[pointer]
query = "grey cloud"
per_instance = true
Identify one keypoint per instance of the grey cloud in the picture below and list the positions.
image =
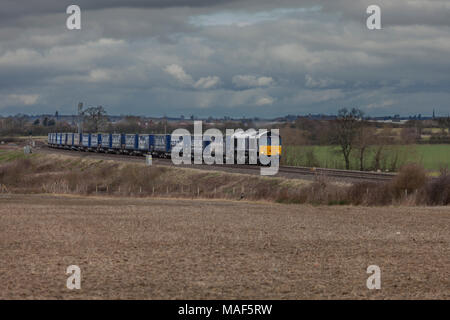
(12, 9)
(251, 81)
(185, 79)
(298, 62)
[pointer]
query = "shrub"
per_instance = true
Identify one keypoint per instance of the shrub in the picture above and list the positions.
(370, 193)
(358, 193)
(12, 173)
(381, 195)
(411, 177)
(438, 191)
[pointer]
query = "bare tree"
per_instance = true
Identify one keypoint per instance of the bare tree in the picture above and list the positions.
(409, 135)
(130, 124)
(381, 142)
(444, 123)
(364, 139)
(95, 118)
(347, 126)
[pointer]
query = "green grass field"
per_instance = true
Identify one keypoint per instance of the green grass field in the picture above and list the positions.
(432, 157)
(11, 155)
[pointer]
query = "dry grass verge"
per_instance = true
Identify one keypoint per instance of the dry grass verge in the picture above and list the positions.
(70, 175)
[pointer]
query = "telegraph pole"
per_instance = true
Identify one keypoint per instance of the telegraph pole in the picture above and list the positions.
(79, 117)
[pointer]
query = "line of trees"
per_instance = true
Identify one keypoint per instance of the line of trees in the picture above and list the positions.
(13, 126)
(355, 135)
(357, 140)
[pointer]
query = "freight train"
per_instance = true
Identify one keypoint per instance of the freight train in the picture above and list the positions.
(161, 145)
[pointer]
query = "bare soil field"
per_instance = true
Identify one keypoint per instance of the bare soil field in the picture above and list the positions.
(194, 249)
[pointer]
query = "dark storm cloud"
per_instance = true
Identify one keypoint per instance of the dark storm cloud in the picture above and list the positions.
(14, 8)
(242, 57)
(396, 11)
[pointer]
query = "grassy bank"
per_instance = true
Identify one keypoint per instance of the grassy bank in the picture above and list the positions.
(39, 173)
(57, 174)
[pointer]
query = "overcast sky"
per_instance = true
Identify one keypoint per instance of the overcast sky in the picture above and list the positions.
(225, 57)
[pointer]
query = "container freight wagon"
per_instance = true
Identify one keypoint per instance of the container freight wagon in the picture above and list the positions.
(58, 139)
(69, 143)
(199, 144)
(86, 140)
(105, 142)
(162, 145)
(188, 142)
(62, 142)
(96, 141)
(64, 138)
(76, 140)
(52, 139)
(146, 143)
(117, 141)
(131, 143)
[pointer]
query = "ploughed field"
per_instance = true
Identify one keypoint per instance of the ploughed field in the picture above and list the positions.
(193, 249)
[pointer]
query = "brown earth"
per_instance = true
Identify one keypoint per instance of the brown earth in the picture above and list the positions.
(195, 249)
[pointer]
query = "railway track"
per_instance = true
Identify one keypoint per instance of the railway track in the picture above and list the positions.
(290, 172)
(350, 174)
(363, 175)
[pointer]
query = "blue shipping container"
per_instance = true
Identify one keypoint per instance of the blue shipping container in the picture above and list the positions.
(96, 140)
(117, 140)
(86, 140)
(70, 139)
(146, 142)
(131, 141)
(106, 140)
(162, 143)
(77, 139)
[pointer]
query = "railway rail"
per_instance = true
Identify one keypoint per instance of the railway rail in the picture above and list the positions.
(284, 171)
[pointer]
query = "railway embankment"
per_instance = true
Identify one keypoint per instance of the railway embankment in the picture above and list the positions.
(65, 174)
